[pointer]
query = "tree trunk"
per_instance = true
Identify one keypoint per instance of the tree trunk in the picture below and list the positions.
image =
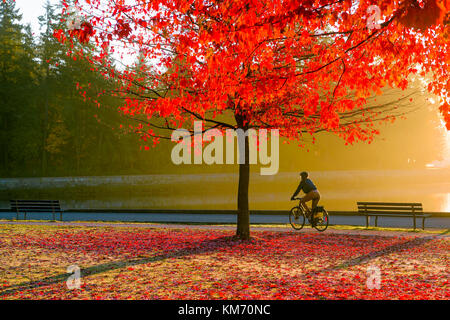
(44, 160)
(44, 139)
(243, 217)
(5, 143)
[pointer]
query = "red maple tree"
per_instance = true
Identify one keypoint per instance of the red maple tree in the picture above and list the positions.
(297, 66)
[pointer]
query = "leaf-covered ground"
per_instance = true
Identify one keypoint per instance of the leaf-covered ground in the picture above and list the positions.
(150, 263)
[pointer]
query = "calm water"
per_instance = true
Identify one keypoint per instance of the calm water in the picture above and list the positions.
(339, 189)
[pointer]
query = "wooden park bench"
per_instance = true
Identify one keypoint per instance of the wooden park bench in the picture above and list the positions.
(34, 206)
(391, 209)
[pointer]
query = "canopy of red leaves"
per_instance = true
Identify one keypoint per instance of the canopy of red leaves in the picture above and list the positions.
(297, 66)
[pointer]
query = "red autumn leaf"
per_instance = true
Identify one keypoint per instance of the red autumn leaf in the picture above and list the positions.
(59, 34)
(123, 29)
(431, 13)
(84, 33)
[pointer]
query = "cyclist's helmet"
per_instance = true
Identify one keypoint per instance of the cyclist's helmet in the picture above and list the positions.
(304, 174)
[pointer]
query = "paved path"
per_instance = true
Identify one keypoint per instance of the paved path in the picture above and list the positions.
(164, 218)
(219, 227)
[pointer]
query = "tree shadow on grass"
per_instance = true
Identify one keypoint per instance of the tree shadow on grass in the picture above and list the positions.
(357, 241)
(398, 247)
(198, 248)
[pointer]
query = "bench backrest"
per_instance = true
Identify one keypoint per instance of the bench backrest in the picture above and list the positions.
(389, 207)
(35, 205)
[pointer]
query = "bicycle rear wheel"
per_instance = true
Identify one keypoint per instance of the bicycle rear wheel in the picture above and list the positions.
(321, 223)
(297, 218)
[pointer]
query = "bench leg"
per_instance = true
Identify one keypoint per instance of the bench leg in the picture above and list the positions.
(423, 223)
(414, 223)
(367, 221)
(60, 216)
(25, 216)
(376, 221)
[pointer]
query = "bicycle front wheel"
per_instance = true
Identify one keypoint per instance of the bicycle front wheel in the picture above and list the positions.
(297, 218)
(321, 222)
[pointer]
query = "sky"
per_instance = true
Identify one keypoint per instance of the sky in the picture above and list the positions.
(31, 10)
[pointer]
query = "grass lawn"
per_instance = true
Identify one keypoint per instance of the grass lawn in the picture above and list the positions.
(152, 263)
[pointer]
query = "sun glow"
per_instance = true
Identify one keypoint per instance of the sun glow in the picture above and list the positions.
(445, 162)
(446, 203)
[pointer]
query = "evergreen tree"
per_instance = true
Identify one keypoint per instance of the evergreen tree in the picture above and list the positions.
(18, 79)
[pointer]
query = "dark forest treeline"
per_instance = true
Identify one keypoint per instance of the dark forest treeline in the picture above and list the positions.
(46, 127)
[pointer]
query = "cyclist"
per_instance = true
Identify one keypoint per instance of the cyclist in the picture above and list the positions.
(310, 191)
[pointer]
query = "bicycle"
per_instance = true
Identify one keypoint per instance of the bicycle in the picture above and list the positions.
(318, 219)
